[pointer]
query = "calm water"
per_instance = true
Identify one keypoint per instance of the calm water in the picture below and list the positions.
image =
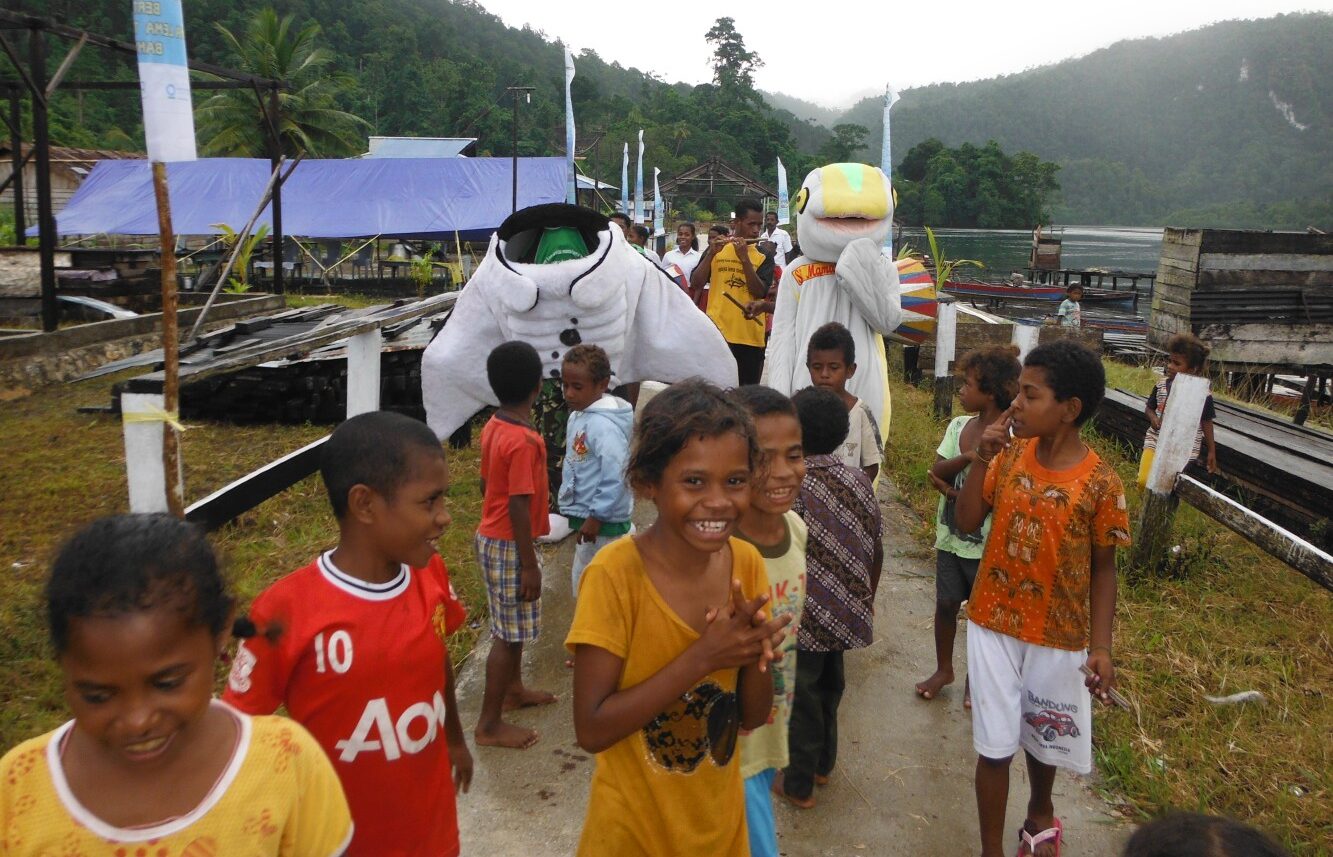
(1006, 250)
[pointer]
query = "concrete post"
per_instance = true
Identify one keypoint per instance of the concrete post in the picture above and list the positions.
(363, 373)
(1174, 443)
(946, 331)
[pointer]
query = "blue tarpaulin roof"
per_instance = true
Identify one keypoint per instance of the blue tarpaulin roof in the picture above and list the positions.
(408, 197)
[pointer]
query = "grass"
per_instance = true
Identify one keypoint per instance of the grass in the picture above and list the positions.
(1226, 618)
(62, 469)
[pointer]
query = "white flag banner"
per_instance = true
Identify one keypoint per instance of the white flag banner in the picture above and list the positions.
(784, 202)
(624, 182)
(572, 193)
(886, 151)
(164, 80)
(638, 183)
(659, 209)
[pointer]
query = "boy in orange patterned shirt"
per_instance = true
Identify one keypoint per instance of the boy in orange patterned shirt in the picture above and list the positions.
(1046, 583)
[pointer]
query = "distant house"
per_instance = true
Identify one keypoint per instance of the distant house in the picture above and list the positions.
(422, 147)
(69, 167)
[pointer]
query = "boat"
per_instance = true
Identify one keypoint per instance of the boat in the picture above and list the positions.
(1008, 291)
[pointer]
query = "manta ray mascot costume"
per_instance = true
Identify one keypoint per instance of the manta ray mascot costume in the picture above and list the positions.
(556, 276)
(843, 214)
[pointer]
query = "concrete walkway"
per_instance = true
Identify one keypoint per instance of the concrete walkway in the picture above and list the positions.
(903, 784)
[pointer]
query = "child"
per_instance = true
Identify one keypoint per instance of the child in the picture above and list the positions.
(990, 380)
(150, 763)
(779, 534)
(514, 507)
(1046, 582)
(831, 359)
(843, 561)
(1184, 353)
(593, 492)
(353, 644)
(1070, 314)
(671, 643)
(1192, 834)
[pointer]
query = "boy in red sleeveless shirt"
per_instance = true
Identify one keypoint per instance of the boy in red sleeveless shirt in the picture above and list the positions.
(354, 643)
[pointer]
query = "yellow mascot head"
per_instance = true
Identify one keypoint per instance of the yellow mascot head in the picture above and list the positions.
(840, 203)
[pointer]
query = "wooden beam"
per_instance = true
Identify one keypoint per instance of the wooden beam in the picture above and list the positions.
(231, 501)
(1274, 540)
(297, 344)
(54, 83)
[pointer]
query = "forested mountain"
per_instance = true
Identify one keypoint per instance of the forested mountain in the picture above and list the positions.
(1228, 125)
(440, 68)
(802, 109)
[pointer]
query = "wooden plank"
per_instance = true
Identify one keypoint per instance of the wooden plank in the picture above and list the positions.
(1182, 254)
(301, 343)
(1183, 237)
(1219, 279)
(1167, 266)
(1274, 540)
(1180, 293)
(231, 501)
(1264, 262)
(1245, 242)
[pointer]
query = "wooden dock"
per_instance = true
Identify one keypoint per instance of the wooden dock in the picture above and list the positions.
(1280, 470)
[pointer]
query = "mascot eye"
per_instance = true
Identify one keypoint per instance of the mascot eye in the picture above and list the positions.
(802, 198)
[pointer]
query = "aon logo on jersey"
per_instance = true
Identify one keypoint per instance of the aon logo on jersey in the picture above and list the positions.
(377, 731)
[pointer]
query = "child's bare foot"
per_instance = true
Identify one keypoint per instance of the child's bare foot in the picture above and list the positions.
(527, 698)
(798, 802)
(821, 779)
(569, 663)
(930, 688)
(506, 735)
(967, 694)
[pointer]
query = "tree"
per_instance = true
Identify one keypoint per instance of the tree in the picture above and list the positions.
(847, 140)
(733, 64)
(234, 123)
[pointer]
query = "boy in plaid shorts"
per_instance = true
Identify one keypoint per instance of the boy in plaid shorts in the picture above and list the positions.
(513, 513)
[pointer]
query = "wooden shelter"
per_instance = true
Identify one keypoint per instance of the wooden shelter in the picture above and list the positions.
(1262, 301)
(69, 167)
(715, 179)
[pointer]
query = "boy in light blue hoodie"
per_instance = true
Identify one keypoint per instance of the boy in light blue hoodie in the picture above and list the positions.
(593, 492)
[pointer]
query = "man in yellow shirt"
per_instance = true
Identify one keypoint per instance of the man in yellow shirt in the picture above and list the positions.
(736, 272)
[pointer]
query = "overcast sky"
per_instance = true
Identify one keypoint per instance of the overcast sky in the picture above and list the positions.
(836, 52)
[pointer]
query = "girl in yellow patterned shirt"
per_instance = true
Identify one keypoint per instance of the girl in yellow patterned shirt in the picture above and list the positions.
(151, 764)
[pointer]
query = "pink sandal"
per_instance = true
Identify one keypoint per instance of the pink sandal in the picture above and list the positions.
(1028, 842)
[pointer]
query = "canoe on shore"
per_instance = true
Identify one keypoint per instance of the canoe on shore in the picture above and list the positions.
(1008, 291)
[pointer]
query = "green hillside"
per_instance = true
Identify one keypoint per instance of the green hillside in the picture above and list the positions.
(1227, 125)
(440, 68)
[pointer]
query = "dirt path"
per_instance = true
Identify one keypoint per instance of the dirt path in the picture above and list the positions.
(904, 779)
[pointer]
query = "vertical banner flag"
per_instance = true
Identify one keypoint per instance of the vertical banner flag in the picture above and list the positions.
(659, 209)
(638, 183)
(784, 203)
(624, 182)
(164, 80)
(886, 152)
(572, 194)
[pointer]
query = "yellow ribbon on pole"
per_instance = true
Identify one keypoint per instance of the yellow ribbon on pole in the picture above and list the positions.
(155, 414)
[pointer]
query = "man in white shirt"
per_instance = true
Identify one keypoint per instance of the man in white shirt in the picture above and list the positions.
(779, 237)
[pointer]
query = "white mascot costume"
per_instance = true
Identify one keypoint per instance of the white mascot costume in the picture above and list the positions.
(613, 297)
(843, 214)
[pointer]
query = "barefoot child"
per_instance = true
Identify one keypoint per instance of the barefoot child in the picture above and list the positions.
(1184, 354)
(593, 492)
(353, 644)
(844, 556)
(1046, 583)
(831, 359)
(150, 763)
(671, 642)
(990, 379)
(779, 534)
(514, 506)
(1070, 313)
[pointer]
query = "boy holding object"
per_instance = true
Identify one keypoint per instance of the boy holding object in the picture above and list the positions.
(1186, 354)
(1047, 582)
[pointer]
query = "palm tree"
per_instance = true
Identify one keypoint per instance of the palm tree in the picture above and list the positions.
(233, 123)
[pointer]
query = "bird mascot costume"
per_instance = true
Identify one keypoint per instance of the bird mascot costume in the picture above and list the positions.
(843, 214)
(556, 276)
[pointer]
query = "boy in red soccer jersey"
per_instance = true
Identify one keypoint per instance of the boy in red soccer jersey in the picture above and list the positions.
(354, 643)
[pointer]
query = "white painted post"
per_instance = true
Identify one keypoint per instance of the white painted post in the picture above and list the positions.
(1025, 337)
(1180, 421)
(144, 470)
(363, 373)
(946, 332)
